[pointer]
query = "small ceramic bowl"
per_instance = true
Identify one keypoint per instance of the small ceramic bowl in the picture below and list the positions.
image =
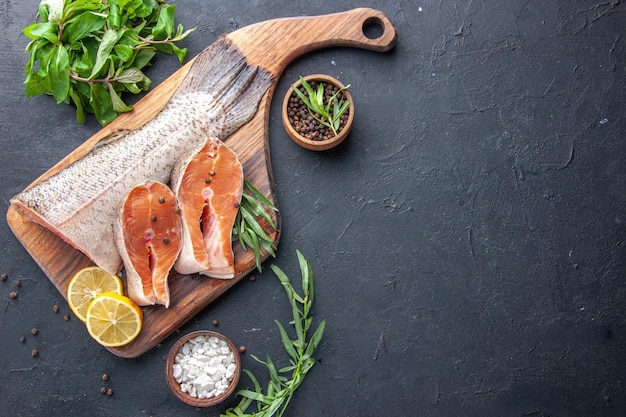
(318, 145)
(175, 386)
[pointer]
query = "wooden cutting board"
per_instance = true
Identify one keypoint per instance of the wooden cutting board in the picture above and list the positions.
(271, 44)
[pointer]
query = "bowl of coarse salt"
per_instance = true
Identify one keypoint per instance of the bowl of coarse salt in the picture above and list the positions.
(202, 368)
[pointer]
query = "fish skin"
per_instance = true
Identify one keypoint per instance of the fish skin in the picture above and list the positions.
(208, 184)
(220, 93)
(148, 215)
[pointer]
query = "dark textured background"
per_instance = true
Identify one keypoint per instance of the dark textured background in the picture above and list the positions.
(467, 241)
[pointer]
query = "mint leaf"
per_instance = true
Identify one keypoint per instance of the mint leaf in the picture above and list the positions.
(59, 70)
(104, 51)
(84, 25)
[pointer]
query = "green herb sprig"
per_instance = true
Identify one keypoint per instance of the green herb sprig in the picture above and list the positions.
(327, 113)
(247, 230)
(89, 52)
(284, 382)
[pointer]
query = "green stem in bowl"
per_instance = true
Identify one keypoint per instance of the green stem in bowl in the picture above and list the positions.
(327, 113)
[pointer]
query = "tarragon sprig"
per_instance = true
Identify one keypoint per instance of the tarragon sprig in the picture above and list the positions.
(284, 382)
(89, 52)
(247, 230)
(327, 113)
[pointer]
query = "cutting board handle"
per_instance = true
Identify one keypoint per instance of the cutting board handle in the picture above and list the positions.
(273, 44)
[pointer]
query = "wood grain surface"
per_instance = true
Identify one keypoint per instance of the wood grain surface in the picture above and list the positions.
(271, 44)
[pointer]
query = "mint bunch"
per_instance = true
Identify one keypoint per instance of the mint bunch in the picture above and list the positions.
(89, 52)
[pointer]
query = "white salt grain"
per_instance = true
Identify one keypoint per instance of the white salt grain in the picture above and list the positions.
(204, 367)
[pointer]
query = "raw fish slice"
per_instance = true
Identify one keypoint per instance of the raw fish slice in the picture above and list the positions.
(148, 237)
(208, 184)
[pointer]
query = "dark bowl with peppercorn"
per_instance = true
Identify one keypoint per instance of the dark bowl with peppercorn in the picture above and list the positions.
(203, 368)
(303, 127)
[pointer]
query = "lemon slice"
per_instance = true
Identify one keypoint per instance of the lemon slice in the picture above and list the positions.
(86, 284)
(113, 319)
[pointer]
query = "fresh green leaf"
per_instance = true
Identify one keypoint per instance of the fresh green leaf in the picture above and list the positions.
(35, 48)
(83, 25)
(259, 196)
(43, 11)
(129, 76)
(118, 105)
(59, 70)
(35, 85)
(319, 97)
(305, 272)
(286, 341)
(125, 52)
(271, 369)
(181, 33)
(164, 28)
(257, 386)
(181, 54)
(291, 293)
(102, 104)
(47, 30)
(297, 319)
(104, 51)
(143, 57)
(315, 339)
(114, 19)
(72, 8)
(253, 395)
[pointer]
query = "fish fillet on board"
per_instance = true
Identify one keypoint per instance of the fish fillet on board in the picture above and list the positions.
(148, 234)
(208, 184)
(220, 93)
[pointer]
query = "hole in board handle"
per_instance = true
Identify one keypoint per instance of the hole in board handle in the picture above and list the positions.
(373, 28)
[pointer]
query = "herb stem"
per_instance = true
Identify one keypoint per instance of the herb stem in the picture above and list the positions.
(61, 28)
(280, 390)
(77, 77)
(153, 42)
